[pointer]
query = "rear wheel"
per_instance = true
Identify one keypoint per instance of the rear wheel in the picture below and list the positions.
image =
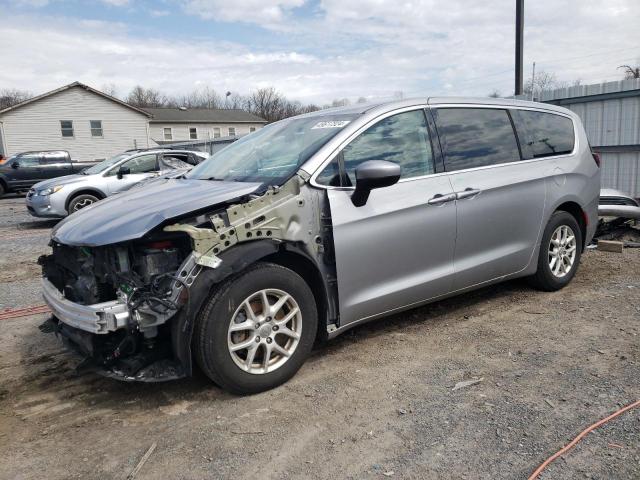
(2, 189)
(256, 330)
(82, 201)
(560, 252)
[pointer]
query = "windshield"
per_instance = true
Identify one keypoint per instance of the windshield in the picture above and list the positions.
(273, 153)
(102, 166)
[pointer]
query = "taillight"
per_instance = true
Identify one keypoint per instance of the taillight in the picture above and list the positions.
(596, 158)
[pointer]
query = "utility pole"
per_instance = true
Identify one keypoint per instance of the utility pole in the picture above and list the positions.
(519, 31)
(533, 79)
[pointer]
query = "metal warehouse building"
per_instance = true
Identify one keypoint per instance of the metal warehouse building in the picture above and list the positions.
(610, 113)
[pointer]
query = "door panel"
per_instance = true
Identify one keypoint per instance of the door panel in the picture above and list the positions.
(394, 251)
(499, 226)
(500, 198)
(25, 170)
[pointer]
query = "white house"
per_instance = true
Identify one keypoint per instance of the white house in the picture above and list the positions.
(184, 124)
(89, 124)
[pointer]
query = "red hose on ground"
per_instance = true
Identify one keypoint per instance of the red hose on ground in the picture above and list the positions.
(564, 450)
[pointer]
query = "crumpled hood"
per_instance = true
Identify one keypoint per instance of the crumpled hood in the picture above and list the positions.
(134, 213)
(52, 182)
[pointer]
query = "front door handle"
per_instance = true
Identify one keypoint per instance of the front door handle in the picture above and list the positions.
(439, 198)
(467, 193)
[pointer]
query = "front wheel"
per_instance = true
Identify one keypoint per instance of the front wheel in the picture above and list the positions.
(82, 201)
(560, 252)
(256, 330)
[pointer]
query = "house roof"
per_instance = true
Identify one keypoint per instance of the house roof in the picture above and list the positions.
(202, 115)
(68, 87)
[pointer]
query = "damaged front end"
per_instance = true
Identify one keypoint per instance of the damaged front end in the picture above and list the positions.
(113, 302)
(129, 307)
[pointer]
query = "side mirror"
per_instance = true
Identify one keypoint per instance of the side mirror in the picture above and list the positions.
(122, 171)
(15, 165)
(373, 174)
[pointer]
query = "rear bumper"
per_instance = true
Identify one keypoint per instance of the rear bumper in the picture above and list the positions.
(100, 318)
(623, 211)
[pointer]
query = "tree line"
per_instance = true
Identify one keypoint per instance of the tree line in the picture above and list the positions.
(267, 102)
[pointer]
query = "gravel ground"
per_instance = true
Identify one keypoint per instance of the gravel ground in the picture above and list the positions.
(377, 402)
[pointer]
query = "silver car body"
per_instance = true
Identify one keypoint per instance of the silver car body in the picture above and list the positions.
(40, 203)
(419, 240)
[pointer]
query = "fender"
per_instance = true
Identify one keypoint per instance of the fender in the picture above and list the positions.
(234, 260)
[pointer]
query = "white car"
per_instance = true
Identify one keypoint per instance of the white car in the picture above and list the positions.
(59, 197)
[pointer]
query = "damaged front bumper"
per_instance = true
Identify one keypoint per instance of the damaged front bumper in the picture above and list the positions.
(100, 318)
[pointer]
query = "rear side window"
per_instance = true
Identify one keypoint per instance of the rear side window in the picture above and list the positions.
(476, 137)
(543, 134)
(401, 139)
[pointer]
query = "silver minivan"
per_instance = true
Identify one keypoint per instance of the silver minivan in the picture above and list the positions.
(318, 223)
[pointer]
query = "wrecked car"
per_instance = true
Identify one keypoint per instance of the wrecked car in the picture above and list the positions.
(62, 196)
(614, 203)
(316, 224)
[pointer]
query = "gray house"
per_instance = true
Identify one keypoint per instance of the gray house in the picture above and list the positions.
(89, 124)
(183, 124)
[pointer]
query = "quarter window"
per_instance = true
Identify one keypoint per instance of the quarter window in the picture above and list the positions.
(401, 139)
(168, 133)
(193, 133)
(543, 134)
(476, 137)
(96, 128)
(66, 128)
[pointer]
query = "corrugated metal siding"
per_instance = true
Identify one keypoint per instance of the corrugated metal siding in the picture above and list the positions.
(609, 122)
(622, 172)
(37, 126)
(205, 131)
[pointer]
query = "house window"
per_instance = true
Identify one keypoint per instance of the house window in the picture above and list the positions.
(66, 127)
(216, 132)
(96, 128)
(252, 129)
(168, 133)
(193, 133)
(232, 131)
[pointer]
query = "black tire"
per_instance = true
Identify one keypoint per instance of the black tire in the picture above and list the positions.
(2, 189)
(544, 278)
(212, 324)
(81, 201)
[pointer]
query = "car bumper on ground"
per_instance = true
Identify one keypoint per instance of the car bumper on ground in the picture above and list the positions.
(42, 206)
(100, 318)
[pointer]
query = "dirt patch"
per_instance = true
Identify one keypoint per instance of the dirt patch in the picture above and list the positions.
(376, 402)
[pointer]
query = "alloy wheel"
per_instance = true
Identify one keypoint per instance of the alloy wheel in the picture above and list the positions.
(264, 331)
(562, 251)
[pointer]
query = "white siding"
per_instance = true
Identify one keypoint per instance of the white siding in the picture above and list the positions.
(205, 130)
(36, 126)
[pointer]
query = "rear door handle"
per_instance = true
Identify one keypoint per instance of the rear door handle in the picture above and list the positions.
(467, 193)
(439, 199)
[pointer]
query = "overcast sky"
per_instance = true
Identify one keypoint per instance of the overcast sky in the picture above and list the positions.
(311, 50)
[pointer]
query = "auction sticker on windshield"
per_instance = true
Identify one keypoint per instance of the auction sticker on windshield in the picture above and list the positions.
(331, 124)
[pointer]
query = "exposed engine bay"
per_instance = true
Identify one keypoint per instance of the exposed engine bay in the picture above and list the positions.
(122, 305)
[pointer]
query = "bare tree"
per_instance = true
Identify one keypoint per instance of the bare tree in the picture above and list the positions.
(11, 96)
(361, 100)
(494, 94)
(146, 97)
(630, 72)
(340, 102)
(110, 89)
